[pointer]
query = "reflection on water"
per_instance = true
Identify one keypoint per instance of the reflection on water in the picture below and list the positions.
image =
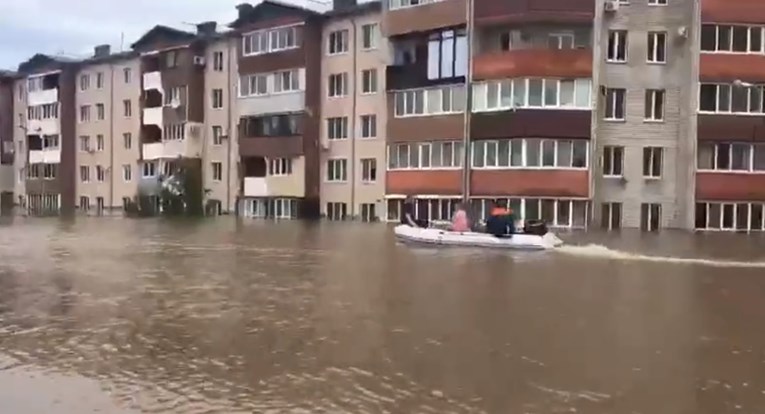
(219, 316)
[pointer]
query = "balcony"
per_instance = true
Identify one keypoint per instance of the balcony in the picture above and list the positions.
(43, 126)
(727, 127)
(727, 67)
(42, 97)
(177, 148)
(255, 187)
(716, 186)
(152, 81)
(489, 12)
(563, 63)
(153, 116)
(270, 104)
(730, 12)
(425, 17)
(399, 77)
(45, 156)
(424, 182)
(534, 183)
(536, 123)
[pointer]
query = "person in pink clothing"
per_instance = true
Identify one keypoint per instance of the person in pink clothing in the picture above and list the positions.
(460, 220)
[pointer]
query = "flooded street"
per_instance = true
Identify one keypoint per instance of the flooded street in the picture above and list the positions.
(123, 316)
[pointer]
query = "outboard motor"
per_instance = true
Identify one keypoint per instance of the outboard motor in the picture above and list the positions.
(535, 227)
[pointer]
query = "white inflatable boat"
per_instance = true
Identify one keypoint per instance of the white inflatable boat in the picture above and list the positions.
(442, 237)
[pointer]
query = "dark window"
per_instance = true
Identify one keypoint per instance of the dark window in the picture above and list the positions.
(447, 54)
(272, 126)
(709, 38)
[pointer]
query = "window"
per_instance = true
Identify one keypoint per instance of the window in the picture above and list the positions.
(723, 98)
(652, 160)
(732, 39)
(286, 81)
(730, 217)
(272, 125)
(99, 80)
(127, 173)
(369, 81)
(337, 211)
(217, 171)
(657, 47)
(269, 41)
(253, 85)
(84, 82)
(33, 171)
(337, 42)
(127, 108)
(613, 161)
(337, 128)
(149, 169)
(217, 98)
(99, 142)
(369, 36)
(84, 143)
(368, 126)
(426, 155)
(617, 46)
(84, 173)
(560, 41)
(173, 132)
(524, 93)
(218, 61)
(85, 113)
(650, 216)
(564, 213)
(127, 75)
(217, 135)
(615, 104)
(530, 153)
(337, 170)
(433, 101)
(611, 216)
(742, 157)
(127, 140)
(368, 213)
(397, 4)
(100, 174)
(280, 166)
(654, 105)
(49, 142)
(171, 59)
(657, 2)
(173, 96)
(447, 54)
(49, 171)
(338, 85)
(84, 203)
(368, 170)
(100, 112)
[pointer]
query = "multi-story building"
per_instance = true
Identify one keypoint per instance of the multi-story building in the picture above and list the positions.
(108, 126)
(6, 142)
(354, 112)
(426, 81)
(45, 135)
(278, 106)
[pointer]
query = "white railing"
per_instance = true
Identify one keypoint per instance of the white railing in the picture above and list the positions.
(47, 96)
(152, 116)
(255, 187)
(43, 126)
(152, 80)
(45, 156)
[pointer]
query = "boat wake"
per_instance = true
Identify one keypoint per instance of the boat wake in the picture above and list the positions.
(603, 252)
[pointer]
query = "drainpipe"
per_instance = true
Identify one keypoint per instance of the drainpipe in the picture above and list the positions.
(228, 127)
(111, 135)
(353, 120)
(468, 105)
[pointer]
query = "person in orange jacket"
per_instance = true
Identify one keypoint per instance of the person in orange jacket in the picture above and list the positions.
(501, 222)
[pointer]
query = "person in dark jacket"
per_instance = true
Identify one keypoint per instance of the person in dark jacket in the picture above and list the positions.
(500, 223)
(407, 214)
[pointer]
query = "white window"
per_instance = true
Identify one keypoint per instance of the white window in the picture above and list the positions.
(149, 169)
(615, 104)
(49, 171)
(84, 143)
(84, 203)
(657, 47)
(611, 216)
(127, 140)
(337, 128)
(217, 98)
(730, 216)
(732, 39)
(617, 46)
(368, 126)
(217, 171)
(398, 4)
(127, 75)
(100, 112)
(84, 173)
(530, 153)
(280, 166)
(426, 155)
(723, 98)
(100, 174)
(741, 157)
(368, 170)
(50, 141)
(613, 161)
(337, 42)
(369, 36)
(650, 216)
(269, 41)
(85, 113)
(652, 162)
(84, 82)
(368, 212)
(654, 105)
(432, 101)
(217, 134)
(286, 81)
(127, 173)
(657, 2)
(174, 132)
(532, 93)
(338, 85)
(127, 107)
(218, 61)
(337, 211)
(173, 96)
(369, 81)
(253, 85)
(560, 41)
(100, 80)
(99, 142)
(337, 170)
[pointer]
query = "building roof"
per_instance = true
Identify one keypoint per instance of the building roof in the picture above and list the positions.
(165, 34)
(267, 10)
(374, 6)
(42, 61)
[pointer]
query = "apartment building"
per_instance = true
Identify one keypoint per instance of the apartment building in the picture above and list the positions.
(6, 142)
(108, 126)
(279, 53)
(45, 135)
(426, 81)
(730, 134)
(354, 112)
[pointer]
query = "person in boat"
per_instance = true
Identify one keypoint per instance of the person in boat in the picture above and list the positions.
(500, 222)
(460, 219)
(407, 214)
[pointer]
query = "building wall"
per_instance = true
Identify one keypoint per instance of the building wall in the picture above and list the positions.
(354, 192)
(678, 77)
(19, 138)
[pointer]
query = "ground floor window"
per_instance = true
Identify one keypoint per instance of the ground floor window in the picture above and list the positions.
(742, 216)
(84, 203)
(368, 212)
(611, 216)
(431, 209)
(43, 203)
(281, 208)
(650, 216)
(126, 202)
(337, 211)
(100, 205)
(563, 213)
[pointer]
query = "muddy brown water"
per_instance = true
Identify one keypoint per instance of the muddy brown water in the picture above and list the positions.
(225, 316)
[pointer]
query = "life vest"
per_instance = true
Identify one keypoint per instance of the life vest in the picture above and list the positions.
(499, 211)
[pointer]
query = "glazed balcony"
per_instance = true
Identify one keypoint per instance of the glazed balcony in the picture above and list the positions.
(543, 62)
(423, 182)
(402, 18)
(728, 11)
(488, 12)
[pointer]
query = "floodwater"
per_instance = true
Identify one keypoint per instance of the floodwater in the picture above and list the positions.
(122, 316)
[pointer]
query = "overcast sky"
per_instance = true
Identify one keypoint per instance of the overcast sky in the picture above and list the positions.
(73, 27)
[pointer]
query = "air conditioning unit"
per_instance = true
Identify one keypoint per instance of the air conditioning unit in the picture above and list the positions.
(611, 6)
(199, 60)
(682, 32)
